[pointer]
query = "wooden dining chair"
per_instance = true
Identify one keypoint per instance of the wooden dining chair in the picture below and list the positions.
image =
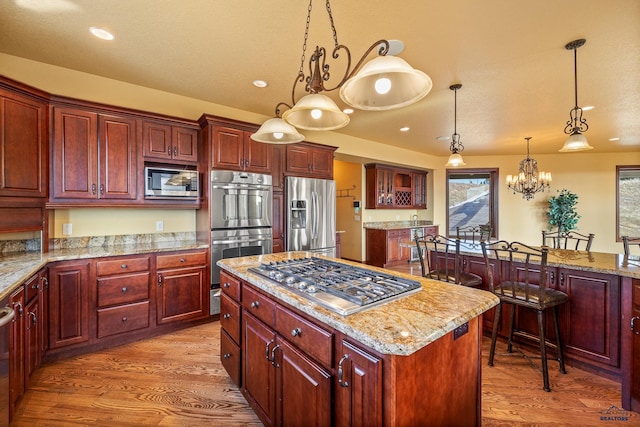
(440, 260)
(521, 281)
(567, 240)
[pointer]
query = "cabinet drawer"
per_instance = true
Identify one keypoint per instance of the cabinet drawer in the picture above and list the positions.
(311, 339)
(181, 260)
(123, 289)
(258, 305)
(431, 230)
(120, 266)
(230, 286)
(31, 287)
(117, 320)
(230, 357)
(230, 317)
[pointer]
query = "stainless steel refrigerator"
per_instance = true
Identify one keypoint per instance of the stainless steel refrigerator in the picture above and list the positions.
(310, 214)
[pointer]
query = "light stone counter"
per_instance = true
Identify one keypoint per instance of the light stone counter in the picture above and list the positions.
(399, 327)
(17, 267)
(396, 225)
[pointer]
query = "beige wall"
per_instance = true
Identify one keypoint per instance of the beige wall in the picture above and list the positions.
(591, 176)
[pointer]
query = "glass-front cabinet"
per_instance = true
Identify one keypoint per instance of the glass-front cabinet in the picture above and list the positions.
(390, 187)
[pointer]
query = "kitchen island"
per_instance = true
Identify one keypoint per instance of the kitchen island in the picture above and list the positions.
(410, 361)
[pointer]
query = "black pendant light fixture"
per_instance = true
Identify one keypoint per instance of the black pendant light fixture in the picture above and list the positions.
(455, 159)
(576, 125)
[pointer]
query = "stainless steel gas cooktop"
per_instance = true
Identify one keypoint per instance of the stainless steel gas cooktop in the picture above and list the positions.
(342, 288)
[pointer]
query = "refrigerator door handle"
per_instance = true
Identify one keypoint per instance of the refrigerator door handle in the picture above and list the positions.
(315, 213)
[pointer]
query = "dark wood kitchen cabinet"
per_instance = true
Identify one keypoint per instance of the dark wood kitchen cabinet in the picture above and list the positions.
(94, 156)
(122, 294)
(384, 247)
(16, 350)
(69, 301)
(310, 160)
(234, 149)
(23, 142)
(169, 143)
(278, 243)
(388, 187)
(182, 286)
(230, 324)
(631, 344)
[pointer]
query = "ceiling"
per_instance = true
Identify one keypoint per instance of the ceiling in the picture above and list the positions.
(517, 77)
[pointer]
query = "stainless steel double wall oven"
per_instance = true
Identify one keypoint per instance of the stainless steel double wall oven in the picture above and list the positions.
(241, 216)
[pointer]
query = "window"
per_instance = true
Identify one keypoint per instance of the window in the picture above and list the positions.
(472, 199)
(627, 201)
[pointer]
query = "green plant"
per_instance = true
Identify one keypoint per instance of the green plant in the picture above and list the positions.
(562, 211)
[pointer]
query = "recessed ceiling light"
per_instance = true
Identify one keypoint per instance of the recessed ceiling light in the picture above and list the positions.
(588, 107)
(260, 83)
(443, 138)
(404, 128)
(101, 33)
(614, 139)
(348, 111)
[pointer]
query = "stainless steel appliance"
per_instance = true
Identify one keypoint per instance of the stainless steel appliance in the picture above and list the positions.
(171, 183)
(241, 214)
(342, 288)
(310, 214)
(6, 315)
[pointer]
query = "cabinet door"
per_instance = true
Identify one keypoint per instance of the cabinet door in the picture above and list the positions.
(181, 294)
(358, 398)
(278, 222)
(185, 144)
(69, 304)
(278, 152)
(258, 374)
(118, 166)
(75, 160)
(257, 155)
(16, 349)
(635, 347)
(23, 135)
(420, 190)
(44, 312)
(298, 160)
(32, 314)
(322, 163)
(156, 140)
(228, 148)
(304, 389)
(591, 318)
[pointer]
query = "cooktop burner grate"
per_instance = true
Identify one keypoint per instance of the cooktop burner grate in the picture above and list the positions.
(343, 288)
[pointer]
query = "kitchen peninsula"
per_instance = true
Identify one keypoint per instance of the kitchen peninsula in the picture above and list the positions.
(409, 361)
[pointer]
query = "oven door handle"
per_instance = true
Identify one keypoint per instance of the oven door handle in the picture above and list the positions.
(224, 242)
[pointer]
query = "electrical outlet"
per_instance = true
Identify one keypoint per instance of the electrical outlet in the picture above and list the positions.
(67, 229)
(159, 225)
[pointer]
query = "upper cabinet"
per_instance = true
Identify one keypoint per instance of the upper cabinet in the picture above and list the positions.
(94, 155)
(23, 139)
(164, 142)
(389, 187)
(310, 160)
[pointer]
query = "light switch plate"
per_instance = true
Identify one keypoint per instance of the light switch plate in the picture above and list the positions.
(67, 229)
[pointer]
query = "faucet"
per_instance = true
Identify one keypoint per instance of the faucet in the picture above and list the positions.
(414, 219)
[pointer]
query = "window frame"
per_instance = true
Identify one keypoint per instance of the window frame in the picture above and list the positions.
(494, 178)
(620, 168)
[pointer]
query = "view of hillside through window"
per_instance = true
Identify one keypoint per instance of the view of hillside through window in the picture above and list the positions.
(628, 201)
(469, 200)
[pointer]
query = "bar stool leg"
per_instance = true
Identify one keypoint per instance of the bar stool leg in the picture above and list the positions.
(494, 333)
(543, 351)
(559, 340)
(512, 321)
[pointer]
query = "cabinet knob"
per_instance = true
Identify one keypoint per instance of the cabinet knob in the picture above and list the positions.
(124, 319)
(226, 356)
(124, 289)
(101, 189)
(255, 304)
(123, 266)
(226, 316)
(175, 151)
(296, 332)
(226, 285)
(93, 189)
(182, 259)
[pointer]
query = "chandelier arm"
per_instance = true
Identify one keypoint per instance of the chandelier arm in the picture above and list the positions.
(278, 108)
(299, 79)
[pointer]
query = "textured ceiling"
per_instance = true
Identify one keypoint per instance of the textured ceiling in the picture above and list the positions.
(509, 55)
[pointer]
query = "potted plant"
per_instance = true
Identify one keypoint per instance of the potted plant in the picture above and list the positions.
(562, 211)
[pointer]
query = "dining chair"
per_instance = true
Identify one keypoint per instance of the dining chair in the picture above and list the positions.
(521, 281)
(440, 260)
(558, 239)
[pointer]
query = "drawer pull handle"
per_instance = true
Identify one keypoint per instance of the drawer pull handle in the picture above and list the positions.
(181, 259)
(123, 266)
(341, 372)
(273, 355)
(633, 325)
(296, 332)
(226, 285)
(255, 304)
(266, 350)
(124, 290)
(226, 316)
(124, 319)
(226, 356)
(35, 286)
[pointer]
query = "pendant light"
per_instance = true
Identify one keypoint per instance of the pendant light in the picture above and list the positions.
(277, 131)
(455, 159)
(529, 181)
(576, 125)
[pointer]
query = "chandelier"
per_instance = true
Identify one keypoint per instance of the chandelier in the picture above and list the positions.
(455, 159)
(576, 125)
(529, 181)
(384, 83)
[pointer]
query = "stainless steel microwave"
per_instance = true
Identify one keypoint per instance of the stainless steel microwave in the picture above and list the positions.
(171, 183)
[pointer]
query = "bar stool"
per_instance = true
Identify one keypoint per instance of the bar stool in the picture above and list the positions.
(558, 239)
(521, 280)
(472, 235)
(440, 260)
(628, 243)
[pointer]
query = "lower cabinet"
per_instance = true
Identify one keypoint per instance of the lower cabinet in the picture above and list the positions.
(631, 344)
(385, 249)
(16, 350)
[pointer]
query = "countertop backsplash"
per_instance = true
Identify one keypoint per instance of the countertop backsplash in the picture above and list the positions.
(20, 245)
(123, 239)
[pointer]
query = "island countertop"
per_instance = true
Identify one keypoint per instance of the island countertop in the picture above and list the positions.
(399, 327)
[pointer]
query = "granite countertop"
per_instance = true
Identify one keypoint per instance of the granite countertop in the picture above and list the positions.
(395, 225)
(17, 267)
(398, 327)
